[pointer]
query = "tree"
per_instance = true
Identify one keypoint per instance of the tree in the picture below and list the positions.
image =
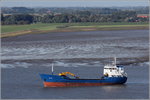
(18, 19)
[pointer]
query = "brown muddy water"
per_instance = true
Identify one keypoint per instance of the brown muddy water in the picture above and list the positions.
(83, 53)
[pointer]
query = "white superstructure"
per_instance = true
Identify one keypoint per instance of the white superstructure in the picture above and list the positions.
(112, 70)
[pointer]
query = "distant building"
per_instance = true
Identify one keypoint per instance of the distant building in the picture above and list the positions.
(57, 14)
(49, 12)
(143, 15)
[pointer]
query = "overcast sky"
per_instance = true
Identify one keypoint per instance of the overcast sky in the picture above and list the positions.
(73, 3)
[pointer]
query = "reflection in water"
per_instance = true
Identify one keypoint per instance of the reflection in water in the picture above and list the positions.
(114, 88)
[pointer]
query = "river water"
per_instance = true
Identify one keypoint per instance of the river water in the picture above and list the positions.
(82, 53)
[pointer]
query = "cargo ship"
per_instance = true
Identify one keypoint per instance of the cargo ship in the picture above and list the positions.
(112, 74)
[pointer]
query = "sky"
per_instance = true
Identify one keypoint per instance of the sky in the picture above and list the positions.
(73, 3)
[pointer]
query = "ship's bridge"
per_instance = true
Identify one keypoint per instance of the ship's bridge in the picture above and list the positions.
(114, 71)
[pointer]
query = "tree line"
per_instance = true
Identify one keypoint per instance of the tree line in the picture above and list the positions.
(93, 10)
(78, 16)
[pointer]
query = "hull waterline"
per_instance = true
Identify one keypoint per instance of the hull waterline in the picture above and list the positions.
(64, 84)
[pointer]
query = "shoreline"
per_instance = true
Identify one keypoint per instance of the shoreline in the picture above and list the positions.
(76, 28)
(121, 61)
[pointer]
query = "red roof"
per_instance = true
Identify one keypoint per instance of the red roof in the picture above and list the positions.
(143, 16)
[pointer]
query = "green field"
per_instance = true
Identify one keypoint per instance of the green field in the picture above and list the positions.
(64, 27)
(39, 26)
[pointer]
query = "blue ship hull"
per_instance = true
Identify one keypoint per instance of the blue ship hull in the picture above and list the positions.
(61, 81)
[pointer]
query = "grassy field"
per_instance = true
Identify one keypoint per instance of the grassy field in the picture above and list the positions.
(39, 26)
(13, 30)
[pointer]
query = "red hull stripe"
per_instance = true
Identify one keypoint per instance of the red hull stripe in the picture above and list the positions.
(63, 84)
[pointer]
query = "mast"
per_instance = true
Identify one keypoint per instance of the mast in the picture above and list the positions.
(52, 69)
(115, 61)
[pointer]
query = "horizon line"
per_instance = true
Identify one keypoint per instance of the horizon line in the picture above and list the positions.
(74, 6)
